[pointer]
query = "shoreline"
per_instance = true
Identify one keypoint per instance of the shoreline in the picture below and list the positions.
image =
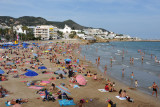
(90, 91)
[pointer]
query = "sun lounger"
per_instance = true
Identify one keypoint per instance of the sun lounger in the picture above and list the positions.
(121, 98)
(102, 90)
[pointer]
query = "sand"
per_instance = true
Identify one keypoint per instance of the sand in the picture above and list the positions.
(90, 91)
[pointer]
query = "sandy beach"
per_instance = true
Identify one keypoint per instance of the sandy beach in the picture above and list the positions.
(19, 89)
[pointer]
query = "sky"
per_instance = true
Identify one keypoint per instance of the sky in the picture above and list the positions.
(137, 18)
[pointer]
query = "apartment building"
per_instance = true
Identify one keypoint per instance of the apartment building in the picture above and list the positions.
(45, 32)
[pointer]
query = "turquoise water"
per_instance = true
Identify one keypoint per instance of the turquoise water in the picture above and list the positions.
(146, 73)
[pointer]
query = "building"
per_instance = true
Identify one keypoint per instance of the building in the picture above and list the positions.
(19, 29)
(45, 32)
(94, 32)
(66, 30)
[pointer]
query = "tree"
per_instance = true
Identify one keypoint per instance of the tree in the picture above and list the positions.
(73, 34)
(7, 37)
(50, 37)
(60, 34)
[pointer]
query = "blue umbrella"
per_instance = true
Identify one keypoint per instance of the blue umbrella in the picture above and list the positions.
(69, 60)
(1, 71)
(30, 73)
(42, 67)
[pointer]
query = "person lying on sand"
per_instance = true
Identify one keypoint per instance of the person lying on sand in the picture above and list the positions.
(16, 102)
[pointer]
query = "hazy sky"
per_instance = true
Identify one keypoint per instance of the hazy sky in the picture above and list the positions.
(138, 18)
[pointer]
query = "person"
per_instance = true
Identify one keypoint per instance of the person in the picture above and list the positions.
(122, 72)
(136, 83)
(46, 94)
(110, 103)
(81, 103)
(132, 75)
(120, 92)
(105, 69)
(95, 76)
(111, 62)
(17, 104)
(107, 87)
(132, 60)
(96, 61)
(142, 59)
(77, 61)
(155, 87)
(99, 59)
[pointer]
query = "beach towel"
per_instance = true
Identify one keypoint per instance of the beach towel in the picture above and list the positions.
(76, 86)
(48, 73)
(66, 102)
(121, 98)
(45, 82)
(102, 90)
(7, 104)
(35, 87)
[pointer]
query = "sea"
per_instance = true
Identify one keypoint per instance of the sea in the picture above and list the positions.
(120, 52)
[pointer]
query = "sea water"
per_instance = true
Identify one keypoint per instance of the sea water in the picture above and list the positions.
(146, 73)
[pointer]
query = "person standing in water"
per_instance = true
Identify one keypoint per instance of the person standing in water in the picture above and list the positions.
(132, 61)
(132, 75)
(99, 59)
(155, 87)
(105, 69)
(122, 72)
(111, 62)
(136, 83)
(142, 59)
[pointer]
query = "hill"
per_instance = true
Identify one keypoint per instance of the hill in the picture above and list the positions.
(33, 21)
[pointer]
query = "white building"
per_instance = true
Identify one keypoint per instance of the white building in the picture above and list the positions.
(45, 32)
(111, 36)
(66, 30)
(123, 36)
(94, 32)
(19, 29)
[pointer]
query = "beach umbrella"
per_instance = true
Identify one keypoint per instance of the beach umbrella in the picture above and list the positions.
(64, 89)
(1, 71)
(42, 67)
(81, 80)
(60, 72)
(30, 73)
(68, 60)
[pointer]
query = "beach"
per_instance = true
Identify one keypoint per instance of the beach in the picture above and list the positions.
(90, 91)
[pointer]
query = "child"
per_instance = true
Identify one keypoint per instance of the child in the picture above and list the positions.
(136, 83)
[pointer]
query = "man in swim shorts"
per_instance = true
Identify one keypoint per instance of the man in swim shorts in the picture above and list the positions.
(155, 87)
